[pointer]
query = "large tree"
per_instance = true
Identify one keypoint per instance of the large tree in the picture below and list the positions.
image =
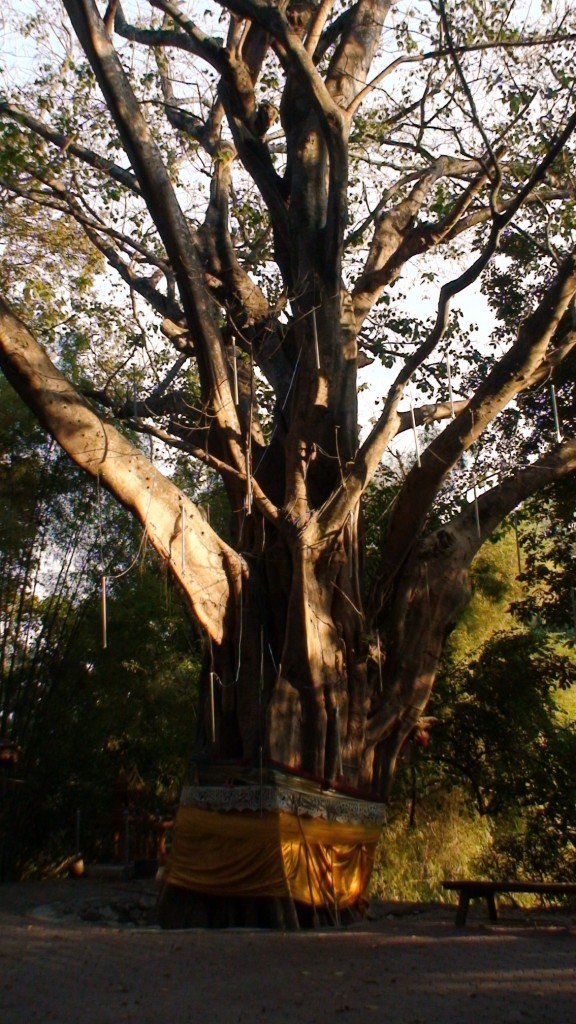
(259, 185)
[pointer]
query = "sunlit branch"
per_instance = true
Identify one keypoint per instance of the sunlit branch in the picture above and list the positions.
(317, 27)
(67, 144)
(191, 38)
(457, 51)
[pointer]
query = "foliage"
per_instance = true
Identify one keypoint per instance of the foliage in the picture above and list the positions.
(493, 791)
(547, 529)
(79, 714)
(448, 841)
(499, 716)
(119, 711)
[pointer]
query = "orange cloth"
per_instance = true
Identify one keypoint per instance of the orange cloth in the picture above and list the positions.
(242, 853)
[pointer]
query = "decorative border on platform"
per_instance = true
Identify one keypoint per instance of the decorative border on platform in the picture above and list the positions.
(330, 806)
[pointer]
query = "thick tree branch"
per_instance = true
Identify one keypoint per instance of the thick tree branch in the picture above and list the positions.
(189, 37)
(495, 504)
(530, 350)
(210, 571)
(509, 377)
(67, 144)
(168, 217)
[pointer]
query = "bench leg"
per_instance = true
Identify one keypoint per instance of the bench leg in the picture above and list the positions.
(493, 913)
(461, 913)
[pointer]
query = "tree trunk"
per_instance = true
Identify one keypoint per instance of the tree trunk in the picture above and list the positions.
(301, 727)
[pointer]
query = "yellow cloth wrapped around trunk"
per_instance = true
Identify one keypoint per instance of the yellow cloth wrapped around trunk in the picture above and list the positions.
(277, 854)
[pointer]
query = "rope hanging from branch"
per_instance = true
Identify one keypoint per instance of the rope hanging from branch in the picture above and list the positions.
(235, 371)
(339, 765)
(450, 391)
(517, 539)
(103, 612)
(103, 609)
(316, 343)
(476, 509)
(380, 686)
(413, 419)
(555, 413)
(106, 577)
(212, 709)
(183, 536)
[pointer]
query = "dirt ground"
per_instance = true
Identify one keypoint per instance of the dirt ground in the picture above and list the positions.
(66, 958)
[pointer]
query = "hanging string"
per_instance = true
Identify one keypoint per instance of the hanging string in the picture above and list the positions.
(273, 660)
(517, 537)
(351, 549)
(104, 578)
(249, 442)
(212, 709)
(380, 686)
(240, 635)
(261, 658)
(134, 394)
(334, 897)
(427, 580)
(316, 344)
(260, 710)
(104, 614)
(338, 743)
(103, 609)
(476, 510)
(413, 419)
(248, 478)
(555, 413)
(450, 391)
(235, 370)
(268, 447)
(211, 695)
(183, 536)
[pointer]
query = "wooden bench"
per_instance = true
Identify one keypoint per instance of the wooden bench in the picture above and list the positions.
(487, 890)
